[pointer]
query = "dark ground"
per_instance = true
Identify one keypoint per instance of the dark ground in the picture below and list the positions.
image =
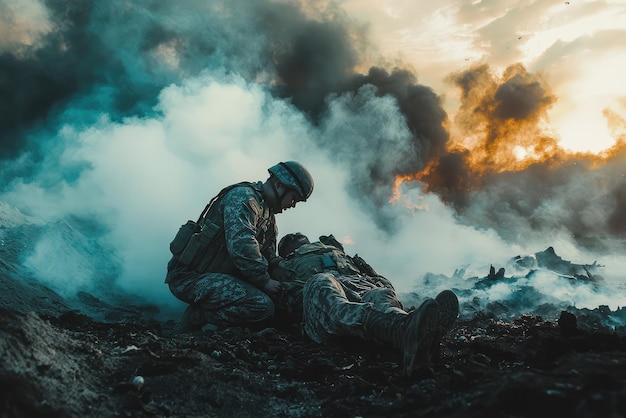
(58, 362)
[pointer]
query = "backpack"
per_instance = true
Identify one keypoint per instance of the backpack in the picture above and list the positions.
(201, 245)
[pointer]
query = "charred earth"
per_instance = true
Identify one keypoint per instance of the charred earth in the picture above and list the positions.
(101, 359)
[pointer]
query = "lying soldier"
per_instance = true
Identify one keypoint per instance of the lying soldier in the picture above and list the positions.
(338, 295)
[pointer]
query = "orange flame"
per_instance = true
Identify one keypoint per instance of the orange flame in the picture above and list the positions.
(397, 195)
(504, 123)
(501, 127)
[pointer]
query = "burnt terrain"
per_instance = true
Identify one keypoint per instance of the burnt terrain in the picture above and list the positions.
(56, 361)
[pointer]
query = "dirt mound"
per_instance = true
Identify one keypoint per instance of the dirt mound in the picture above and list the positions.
(73, 366)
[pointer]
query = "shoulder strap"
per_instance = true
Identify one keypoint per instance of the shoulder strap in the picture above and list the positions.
(220, 195)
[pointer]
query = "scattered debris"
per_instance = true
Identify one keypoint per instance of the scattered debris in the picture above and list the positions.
(553, 360)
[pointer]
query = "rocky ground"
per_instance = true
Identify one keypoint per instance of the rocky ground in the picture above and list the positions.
(56, 361)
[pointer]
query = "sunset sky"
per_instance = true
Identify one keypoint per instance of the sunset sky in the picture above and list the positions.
(577, 46)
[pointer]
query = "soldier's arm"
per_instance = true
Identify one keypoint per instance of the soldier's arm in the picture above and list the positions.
(242, 214)
(270, 252)
(282, 272)
(363, 266)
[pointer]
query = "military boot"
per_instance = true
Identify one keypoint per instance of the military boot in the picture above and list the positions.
(448, 313)
(411, 333)
(192, 320)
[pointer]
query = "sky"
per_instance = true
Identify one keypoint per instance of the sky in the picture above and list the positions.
(576, 46)
(439, 136)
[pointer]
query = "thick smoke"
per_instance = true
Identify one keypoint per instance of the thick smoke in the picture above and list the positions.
(316, 69)
(508, 175)
(119, 69)
(388, 127)
(121, 119)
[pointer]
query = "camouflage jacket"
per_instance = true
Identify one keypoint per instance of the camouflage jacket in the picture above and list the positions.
(250, 231)
(355, 276)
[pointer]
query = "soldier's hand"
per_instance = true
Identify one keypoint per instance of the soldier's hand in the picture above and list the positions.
(272, 287)
(273, 264)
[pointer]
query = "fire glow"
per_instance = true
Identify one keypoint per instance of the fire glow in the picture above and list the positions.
(502, 154)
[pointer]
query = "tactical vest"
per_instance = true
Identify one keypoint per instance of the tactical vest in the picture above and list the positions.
(201, 245)
(316, 257)
(309, 259)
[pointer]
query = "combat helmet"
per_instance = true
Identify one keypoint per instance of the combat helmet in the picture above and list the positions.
(293, 175)
(290, 242)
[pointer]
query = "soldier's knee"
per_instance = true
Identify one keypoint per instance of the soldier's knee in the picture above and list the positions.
(381, 292)
(270, 309)
(264, 309)
(320, 280)
(382, 296)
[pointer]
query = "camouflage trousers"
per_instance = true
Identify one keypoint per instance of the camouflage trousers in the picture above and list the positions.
(329, 310)
(222, 299)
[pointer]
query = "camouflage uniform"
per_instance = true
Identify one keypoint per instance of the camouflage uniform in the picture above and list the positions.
(327, 288)
(332, 307)
(250, 235)
(339, 295)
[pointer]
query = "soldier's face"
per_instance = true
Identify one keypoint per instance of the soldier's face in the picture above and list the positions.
(289, 200)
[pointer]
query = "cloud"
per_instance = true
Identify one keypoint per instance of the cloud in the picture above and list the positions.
(22, 25)
(124, 119)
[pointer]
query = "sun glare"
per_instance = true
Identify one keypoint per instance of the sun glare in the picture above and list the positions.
(520, 152)
(571, 44)
(584, 129)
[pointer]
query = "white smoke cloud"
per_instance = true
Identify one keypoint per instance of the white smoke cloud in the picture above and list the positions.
(147, 176)
(141, 177)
